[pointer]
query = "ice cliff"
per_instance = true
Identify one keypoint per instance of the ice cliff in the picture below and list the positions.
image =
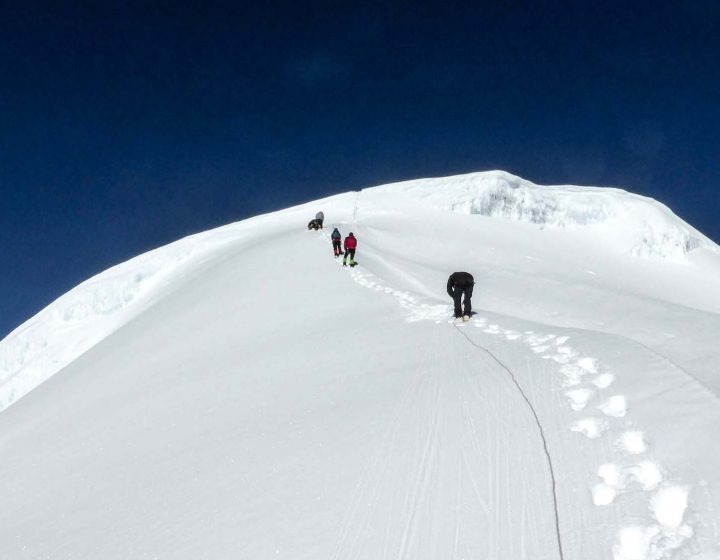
(635, 224)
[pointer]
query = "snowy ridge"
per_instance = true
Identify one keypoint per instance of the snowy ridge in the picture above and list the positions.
(637, 225)
(87, 314)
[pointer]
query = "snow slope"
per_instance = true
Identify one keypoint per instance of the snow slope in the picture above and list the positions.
(238, 394)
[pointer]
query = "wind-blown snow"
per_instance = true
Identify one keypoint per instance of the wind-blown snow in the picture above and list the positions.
(239, 394)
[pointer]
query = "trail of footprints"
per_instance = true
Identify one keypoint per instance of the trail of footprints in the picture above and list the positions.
(588, 389)
(416, 310)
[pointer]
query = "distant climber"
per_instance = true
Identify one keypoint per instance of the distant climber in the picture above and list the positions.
(336, 241)
(320, 218)
(313, 224)
(350, 246)
(461, 284)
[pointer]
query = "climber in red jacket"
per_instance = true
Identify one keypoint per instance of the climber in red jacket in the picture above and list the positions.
(350, 245)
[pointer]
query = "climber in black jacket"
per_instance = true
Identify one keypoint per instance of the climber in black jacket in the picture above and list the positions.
(459, 284)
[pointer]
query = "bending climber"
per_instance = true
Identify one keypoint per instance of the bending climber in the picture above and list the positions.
(314, 224)
(461, 284)
(336, 241)
(320, 218)
(350, 246)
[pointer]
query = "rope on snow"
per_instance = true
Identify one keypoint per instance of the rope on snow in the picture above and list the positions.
(540, 430)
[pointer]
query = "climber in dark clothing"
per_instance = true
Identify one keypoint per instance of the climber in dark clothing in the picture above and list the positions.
(459, 284)
(336, 241)
(314, 224)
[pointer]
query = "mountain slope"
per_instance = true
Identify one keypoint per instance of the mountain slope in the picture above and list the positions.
(253, 399)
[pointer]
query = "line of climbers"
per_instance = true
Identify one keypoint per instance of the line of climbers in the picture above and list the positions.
(459, 285)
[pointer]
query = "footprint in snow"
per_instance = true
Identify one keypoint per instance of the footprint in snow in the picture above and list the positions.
(615, 406)
(588, 364)
(603, 381)
(633, 442)
(590, 427)
(579, 398)
(604, 492)
(615, 479)
(573, 375)
(538, 339)
(511, 335)
(565, 354)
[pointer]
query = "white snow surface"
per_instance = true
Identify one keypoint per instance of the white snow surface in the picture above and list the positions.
(240, 394)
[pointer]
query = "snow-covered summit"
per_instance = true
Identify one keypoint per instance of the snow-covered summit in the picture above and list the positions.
(631, 223)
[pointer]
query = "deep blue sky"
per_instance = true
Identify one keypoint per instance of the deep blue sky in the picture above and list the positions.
(126, 126)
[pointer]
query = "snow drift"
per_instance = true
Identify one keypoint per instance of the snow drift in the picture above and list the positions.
(239, 394)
